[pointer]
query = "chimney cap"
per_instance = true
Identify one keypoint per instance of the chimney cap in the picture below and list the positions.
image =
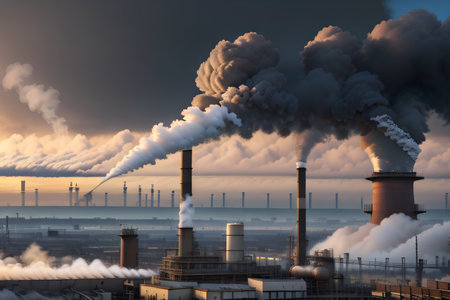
(300, 164)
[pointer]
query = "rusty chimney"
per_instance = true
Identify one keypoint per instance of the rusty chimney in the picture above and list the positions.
(129, 249)
(300, 259)
(185, 234)
(393, 193)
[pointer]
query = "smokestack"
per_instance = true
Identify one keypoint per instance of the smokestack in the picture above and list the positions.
(362, 203)
(393, 193)
(185, 234)
(125, 194)
(337, 199)
(77, 191)
(70, 194)
(106, 199)
(129, 248)
(173, 199)
(212, 200)
(146, 200)
(22, 191)
(268, 200)
(159, 198)
(235, 242)
(310, 200)
(300, 259)
(243, 199)
(36, 197)
(140, 196)
(223, 200)
(152, 196)
(446, 200)
(290, 200)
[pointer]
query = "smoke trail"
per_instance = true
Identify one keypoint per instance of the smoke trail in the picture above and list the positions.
(394, 238)
(186, 213)
(196, 127)
(36, 96)
(35, 264)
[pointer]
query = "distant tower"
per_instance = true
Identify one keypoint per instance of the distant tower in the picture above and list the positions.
(129, 248)
(310, 200)
(173, 199)
(362, 203)
(146, 200)
(77, 191)
(223, 200)
(290, 200)
(337, 199)
(70, 194)
(125, 194)
(36, 197)
(243, 199)
(159, 198)
(22, 191)
(446, 200)
(106, 199)
(140, 196)
(212, 200)
(268, 200)
(152, 192)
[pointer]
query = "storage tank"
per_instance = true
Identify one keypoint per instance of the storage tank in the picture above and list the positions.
(235, 242)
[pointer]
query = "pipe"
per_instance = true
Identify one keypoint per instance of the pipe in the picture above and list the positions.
(300, 259)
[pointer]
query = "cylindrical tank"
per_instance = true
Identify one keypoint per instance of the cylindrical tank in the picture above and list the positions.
(301, 271)
(185, 241)
(321, 273)
(393, 192)
(129, 248)
(235, 242)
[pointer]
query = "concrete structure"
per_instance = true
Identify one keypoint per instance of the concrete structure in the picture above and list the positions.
(300, 259)
(22, 191)
(70, 194)
(268, 200)
(393, 192)
(125, 194)
(129, 248)
(235, 242)
(106, 199)
(77, 193)
(243, 199)
(278, 288)
(36, 197)
(140, 196)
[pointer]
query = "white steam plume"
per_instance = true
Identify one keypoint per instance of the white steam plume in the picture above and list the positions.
(196, 127)
(393, 238)
(186, 213)
(35, 264)
(44, 101)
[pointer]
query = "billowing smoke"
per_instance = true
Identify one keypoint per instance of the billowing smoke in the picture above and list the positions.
(44, 101)
(35, 264)
(393, 238)
(186, 213)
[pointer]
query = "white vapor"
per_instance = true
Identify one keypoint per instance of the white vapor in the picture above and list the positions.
(186, 213)
(196, 127)
(35, 264)
(393, 238)
(44, 101)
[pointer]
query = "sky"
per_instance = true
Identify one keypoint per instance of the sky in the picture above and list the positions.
(112, 70)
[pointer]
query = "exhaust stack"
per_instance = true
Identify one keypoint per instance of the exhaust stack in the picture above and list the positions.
(70, 194)
(129, 252)
(185, 234)
(22, 191)
(300, 259)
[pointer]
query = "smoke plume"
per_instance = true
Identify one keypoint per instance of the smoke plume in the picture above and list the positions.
(393, 238)
(35, 264)
(186, 213)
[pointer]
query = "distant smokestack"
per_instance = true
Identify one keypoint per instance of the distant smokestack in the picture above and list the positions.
(185, 234)
(125, 194)
(362, 203)
(212, 200)
(146, 200)
(235, 242)
(140, 196)
(159, 198)
(152, 196)
(129, 248)
(77, 191)
(393, 193)
(300, 259)
(268, 200)
(243, 199)
(310, 200)
(446, 200)
(336, 201)
(70, 194)
(172, 200)
(22, 191)
(106, 199)
(290, 200)
(223, 200)
(36, 197)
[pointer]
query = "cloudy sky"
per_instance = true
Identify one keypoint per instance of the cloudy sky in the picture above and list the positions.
(109, 71)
